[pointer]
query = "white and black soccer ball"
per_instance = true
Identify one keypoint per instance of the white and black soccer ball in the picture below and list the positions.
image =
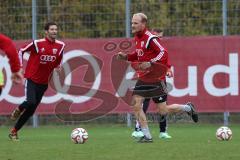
(79, 135)
(224, 133)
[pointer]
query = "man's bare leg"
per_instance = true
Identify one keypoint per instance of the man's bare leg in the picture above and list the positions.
(140, 115)
(163, 108)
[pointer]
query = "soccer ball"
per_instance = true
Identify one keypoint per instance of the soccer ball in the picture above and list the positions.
(224, 133)
(79, 136)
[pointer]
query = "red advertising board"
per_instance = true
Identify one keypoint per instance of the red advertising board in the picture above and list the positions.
(206, 72)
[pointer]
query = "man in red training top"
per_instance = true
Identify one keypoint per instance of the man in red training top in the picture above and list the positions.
(150, 54)
(162, 119)
(45, 55)
(9, 48)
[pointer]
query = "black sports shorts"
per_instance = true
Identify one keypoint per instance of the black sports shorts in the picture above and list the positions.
(155, 90)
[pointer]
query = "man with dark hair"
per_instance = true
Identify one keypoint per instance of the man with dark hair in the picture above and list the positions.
(47, 25)
(10, 50)
(45, 55)
(162, 119)
(148, 56)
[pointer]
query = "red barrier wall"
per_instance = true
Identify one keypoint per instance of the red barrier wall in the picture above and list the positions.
(206, 72)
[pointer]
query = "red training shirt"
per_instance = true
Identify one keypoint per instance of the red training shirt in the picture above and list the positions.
(149, 49)
(45, 55)
(10, 50)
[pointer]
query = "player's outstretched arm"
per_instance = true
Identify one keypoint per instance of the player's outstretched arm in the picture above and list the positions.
(127, 57)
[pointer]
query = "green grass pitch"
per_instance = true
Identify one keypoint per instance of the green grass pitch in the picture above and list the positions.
(113, 142)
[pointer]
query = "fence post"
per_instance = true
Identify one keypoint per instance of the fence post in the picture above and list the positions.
(128, 29)
(129, 119)
(224, 23)
(34, 36)
(48, 10)
(226, 118)
(127, 21)
(224, 17)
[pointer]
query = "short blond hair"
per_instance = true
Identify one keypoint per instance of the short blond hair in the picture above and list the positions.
(142, 15)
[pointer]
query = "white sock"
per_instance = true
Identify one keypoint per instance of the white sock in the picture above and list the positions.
(147, 133)
(185, 108)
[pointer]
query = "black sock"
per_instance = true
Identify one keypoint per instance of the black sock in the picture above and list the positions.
(163, 123)
(146, 104)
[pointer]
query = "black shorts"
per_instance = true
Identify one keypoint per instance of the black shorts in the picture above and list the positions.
(157, 90)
